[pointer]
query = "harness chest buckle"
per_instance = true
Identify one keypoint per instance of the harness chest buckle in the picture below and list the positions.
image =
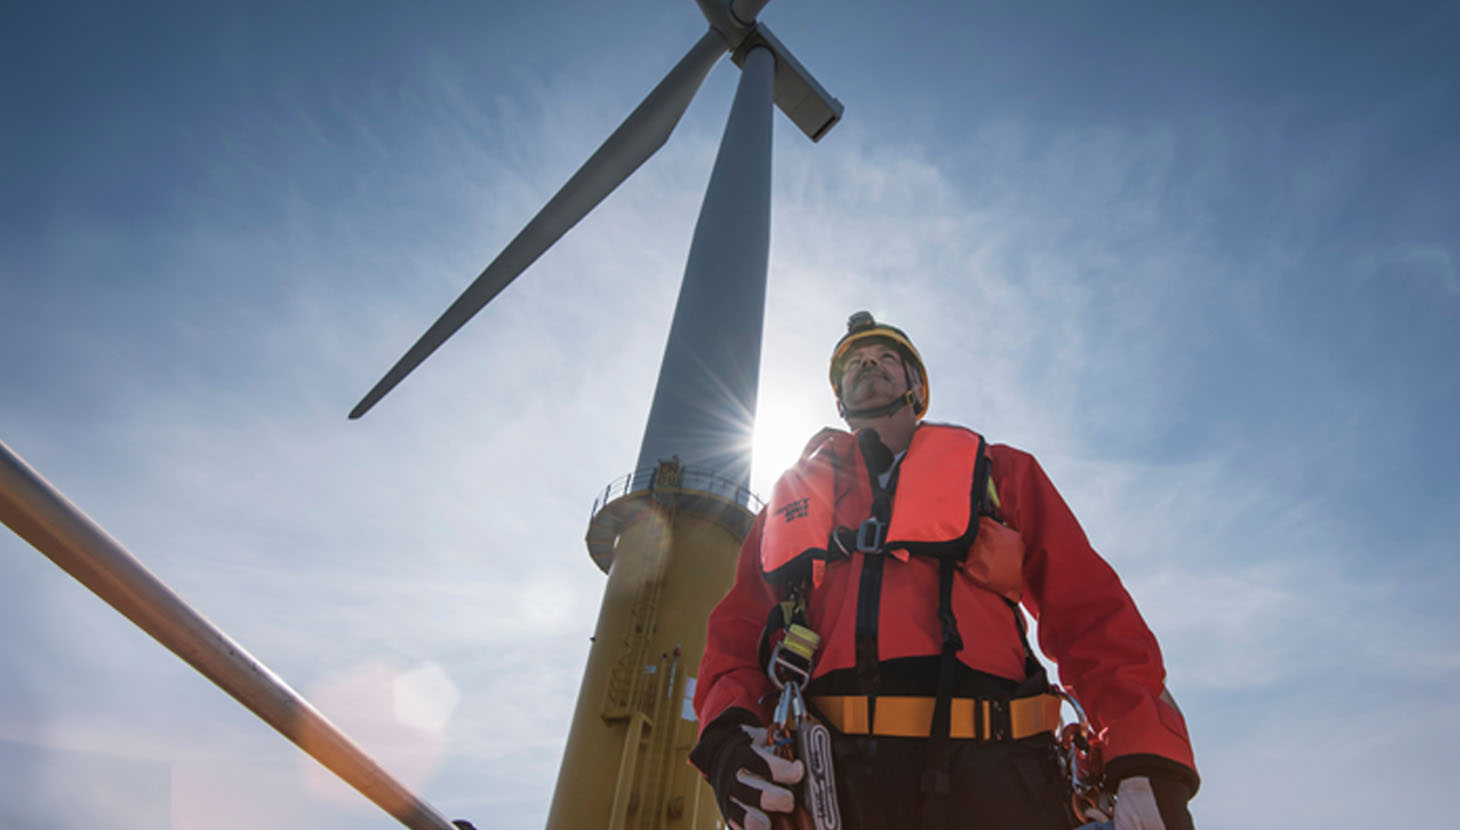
(871, 534)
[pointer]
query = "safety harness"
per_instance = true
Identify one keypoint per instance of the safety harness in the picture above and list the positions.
(797, 548)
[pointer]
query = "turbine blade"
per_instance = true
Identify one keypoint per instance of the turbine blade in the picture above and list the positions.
(635, 140)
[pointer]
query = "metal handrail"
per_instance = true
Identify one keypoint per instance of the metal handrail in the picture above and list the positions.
(42, 516)
(643, 481)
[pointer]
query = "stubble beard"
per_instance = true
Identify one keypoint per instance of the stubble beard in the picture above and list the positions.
(868, 377)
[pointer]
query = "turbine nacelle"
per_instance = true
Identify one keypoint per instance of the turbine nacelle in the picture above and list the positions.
(797, 93)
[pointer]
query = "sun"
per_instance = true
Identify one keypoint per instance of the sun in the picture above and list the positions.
(783, 425)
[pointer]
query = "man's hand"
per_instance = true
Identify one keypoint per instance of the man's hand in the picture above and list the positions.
(1144, 804)
(754, 790)
(747, 775)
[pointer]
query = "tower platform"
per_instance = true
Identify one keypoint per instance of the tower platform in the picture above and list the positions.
(708, 494)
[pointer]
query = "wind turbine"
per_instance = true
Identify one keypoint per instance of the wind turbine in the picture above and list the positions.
(667, 534)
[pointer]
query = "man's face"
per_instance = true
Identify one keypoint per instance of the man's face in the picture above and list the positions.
(873, 374)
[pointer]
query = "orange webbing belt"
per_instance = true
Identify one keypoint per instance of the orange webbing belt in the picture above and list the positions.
(969, 718)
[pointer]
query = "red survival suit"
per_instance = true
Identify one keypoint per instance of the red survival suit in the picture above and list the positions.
(1088, 623)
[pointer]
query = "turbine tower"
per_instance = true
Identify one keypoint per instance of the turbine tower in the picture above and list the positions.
(667, 534)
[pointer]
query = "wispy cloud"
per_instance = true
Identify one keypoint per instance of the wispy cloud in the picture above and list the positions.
(1119, 297)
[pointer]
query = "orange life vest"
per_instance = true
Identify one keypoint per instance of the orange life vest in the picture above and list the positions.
(935, 511)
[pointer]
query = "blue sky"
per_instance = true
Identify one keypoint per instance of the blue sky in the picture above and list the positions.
(1201, 259)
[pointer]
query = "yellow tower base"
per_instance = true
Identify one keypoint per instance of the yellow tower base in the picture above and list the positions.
(668, 539)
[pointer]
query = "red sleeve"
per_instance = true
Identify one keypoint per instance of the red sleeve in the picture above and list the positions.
(1088, 623)
(730, 674)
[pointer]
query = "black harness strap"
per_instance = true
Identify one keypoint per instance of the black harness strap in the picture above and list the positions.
(870, 537)
(939, 761)
(869, 601)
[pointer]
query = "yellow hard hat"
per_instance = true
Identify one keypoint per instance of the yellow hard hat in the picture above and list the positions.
(861, 327)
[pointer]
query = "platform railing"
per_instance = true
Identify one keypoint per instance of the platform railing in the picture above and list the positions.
(649, 479)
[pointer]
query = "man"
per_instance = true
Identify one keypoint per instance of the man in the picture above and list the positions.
(893, 559)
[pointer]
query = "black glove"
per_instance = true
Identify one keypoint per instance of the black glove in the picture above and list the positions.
(1143, 803)
(1154, 792)
(745, 773)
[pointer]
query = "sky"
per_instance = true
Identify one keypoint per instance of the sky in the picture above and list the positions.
(1200, 259)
